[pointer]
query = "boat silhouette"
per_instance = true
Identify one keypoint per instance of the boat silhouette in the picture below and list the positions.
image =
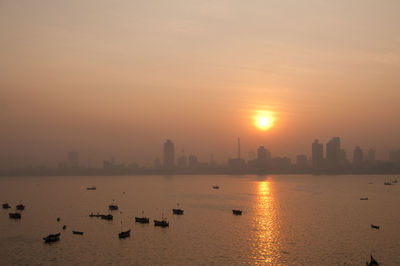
(237, 212)
(14, 215)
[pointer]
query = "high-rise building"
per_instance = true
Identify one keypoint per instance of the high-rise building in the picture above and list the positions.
(193, 162)
(371, 156)
(182, 161)
(263, 154)
(358, 156)
(333, 152)
(317, 155)
(73, 159)
(169, 154)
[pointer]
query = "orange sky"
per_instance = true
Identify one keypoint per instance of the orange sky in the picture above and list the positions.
(119, 77)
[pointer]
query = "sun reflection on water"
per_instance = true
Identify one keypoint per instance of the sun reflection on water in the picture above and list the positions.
(265, 237)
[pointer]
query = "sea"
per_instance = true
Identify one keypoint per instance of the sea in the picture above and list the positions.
(286, 220)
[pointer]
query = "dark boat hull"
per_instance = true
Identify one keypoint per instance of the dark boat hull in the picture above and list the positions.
(237, 212)
(77, 233)
(177, 211)
(125, 234)
(14, 215)
(142, 220)
(161, 223)
(375, 226)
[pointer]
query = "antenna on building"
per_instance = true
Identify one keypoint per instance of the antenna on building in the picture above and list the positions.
(238, 148)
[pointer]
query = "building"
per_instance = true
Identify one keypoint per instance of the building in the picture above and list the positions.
(301, 161)
(317, 155)
(73, 159)
(394, 156)
(358, 156)
(169, 155)
(193, 161)
(182, 161)
(371, 156)
(333, 153)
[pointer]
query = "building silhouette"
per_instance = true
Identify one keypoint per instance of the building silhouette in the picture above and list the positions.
(169, 155)
(371, 156)
(237, 164)
(333, 153)
(73, 159)
(317, 155)
(182, 161)
(358, 156)
(301, 161)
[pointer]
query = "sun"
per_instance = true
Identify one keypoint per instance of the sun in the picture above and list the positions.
(264, 120)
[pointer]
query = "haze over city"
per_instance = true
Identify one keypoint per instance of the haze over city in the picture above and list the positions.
(118, 78)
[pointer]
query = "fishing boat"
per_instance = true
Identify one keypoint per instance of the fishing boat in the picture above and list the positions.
(91, 188)
(177, 211)
(77, 233)
(237, 212)
(14, 215)
(124, 234)
(364, 198)
(215, 187)
(162, 223)
(387, 183)
(113, 207)
(375, 226)
(52, 238)
(64, 227)
(106, 217)
(142, 220)
(6, 206)
(372, 262)
(20, 207)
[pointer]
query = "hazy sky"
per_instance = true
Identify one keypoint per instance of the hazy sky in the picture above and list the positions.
(119, 77)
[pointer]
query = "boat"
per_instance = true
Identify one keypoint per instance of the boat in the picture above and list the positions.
(64, 227)
(162, 223)
(387, 183)
(237, 212)
(113, 207)
(366, 198)
(215, 187)
(95, 215)
(20, 207)
(58, 219)
(52, 238)
(177, 211)
(91, 188)
(124, 234)
(394, 181)
(14, 215)
(142, 220)
(375, 226)
(6, 206)
(106, 217)
(77, 232)
(372, 262)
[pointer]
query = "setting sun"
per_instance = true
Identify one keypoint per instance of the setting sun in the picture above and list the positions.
(264, 120)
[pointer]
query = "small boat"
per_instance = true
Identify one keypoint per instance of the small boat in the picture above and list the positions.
(52, 238)
(124, 234)
(58, 219)
(77, 232)
(366, 198)
(237, 212)
(64, 227)
(375, 226)
(162, 223)
(142, 220)
(372, 262)
(95, 215)
(394, 181)
(6, 206)
(106, 217)
(14, 215)
(113, 207)
(20, 207)
(215, 187)
(177, 211)
(387, 183)
(91, 188)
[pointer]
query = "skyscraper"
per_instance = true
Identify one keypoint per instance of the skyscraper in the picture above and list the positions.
(371, 156)
(317, 155)
(169, 154)
(357, 156)
(333, 153)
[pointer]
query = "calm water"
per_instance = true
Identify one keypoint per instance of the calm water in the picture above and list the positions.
(289, 220)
